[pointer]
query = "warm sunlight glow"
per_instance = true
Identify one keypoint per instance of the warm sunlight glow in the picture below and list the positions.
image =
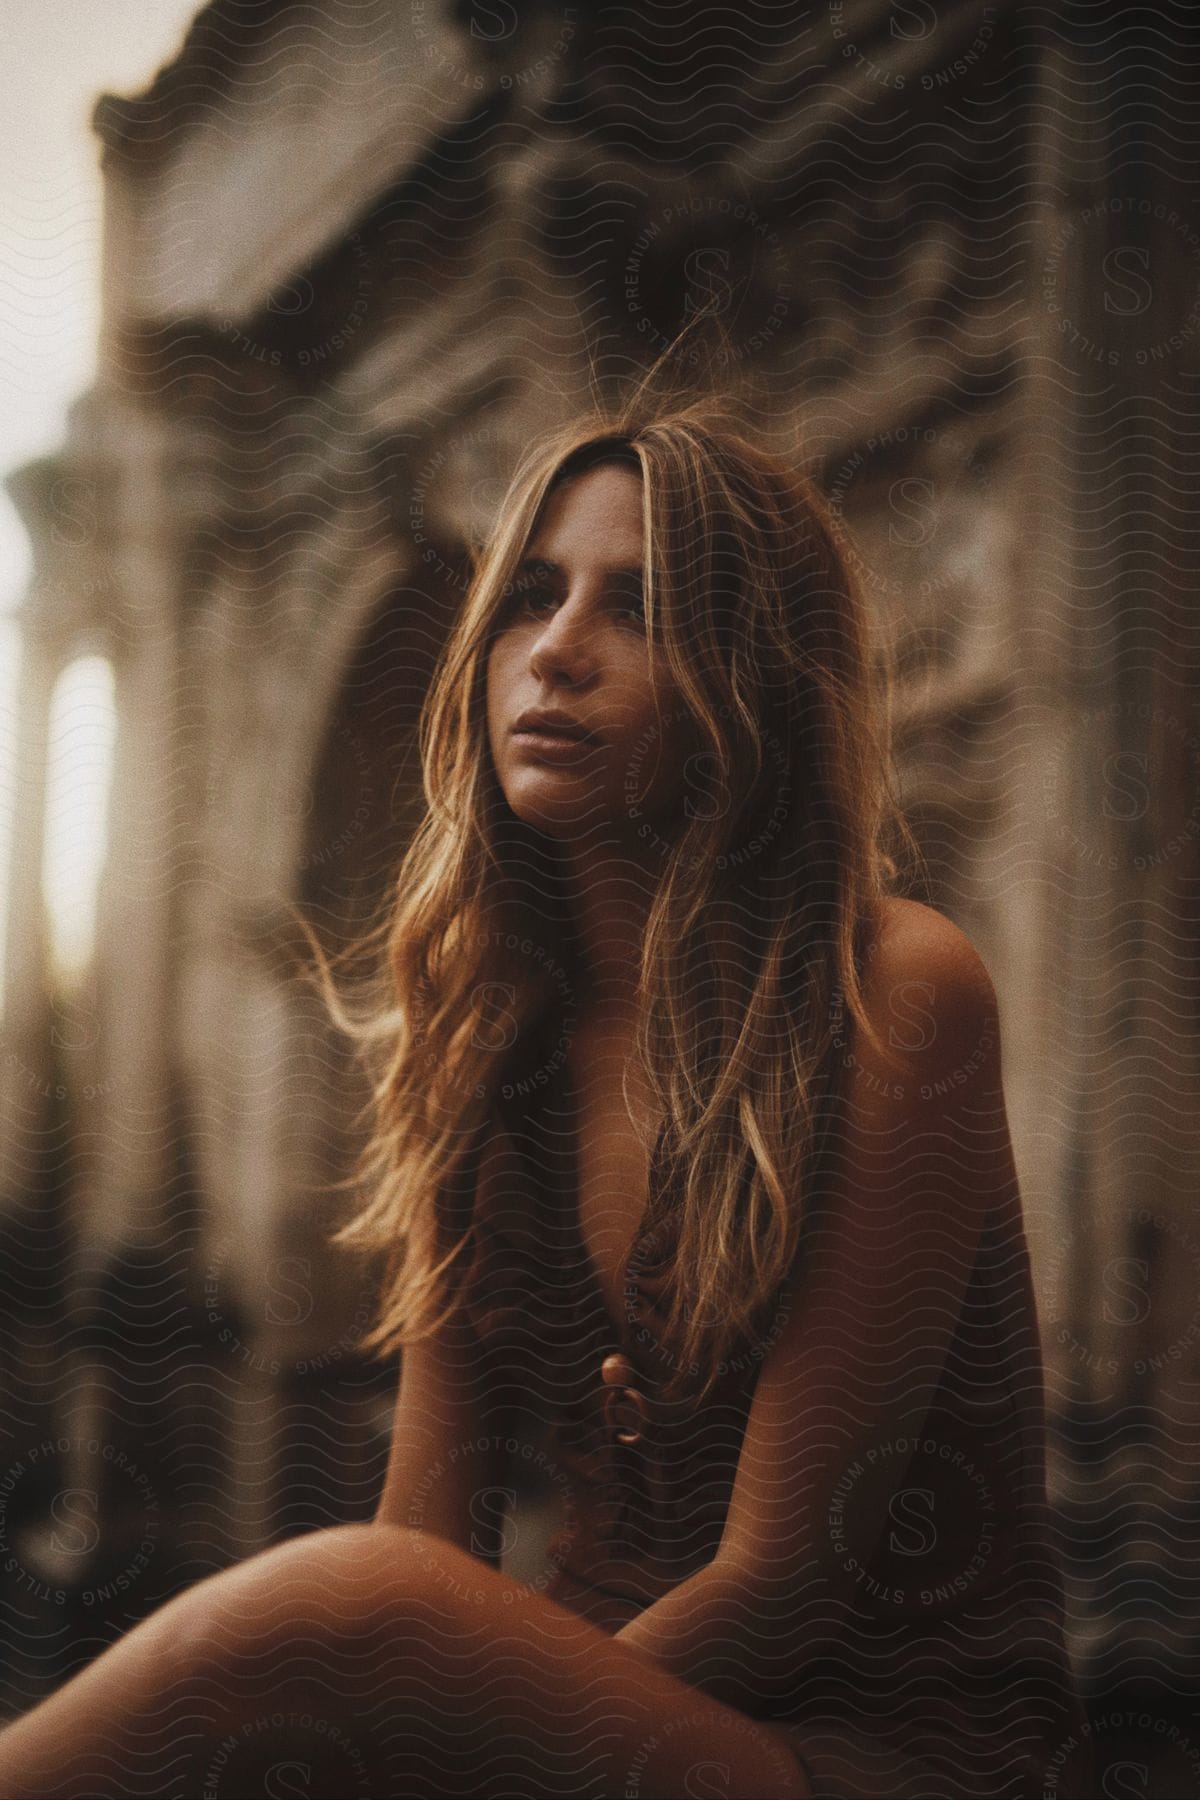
(82, 727)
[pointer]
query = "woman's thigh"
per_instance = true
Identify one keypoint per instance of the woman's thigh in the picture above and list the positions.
(375, 1660)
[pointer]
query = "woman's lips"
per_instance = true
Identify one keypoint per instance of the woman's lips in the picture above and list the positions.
(553, 745)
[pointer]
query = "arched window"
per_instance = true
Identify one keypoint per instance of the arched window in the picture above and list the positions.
(81, 730)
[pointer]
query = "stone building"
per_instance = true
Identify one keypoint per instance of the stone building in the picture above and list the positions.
(355, 256)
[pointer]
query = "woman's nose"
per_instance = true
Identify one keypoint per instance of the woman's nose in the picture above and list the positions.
(565, 641)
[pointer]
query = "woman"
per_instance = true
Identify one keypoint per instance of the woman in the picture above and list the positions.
(692, 1169)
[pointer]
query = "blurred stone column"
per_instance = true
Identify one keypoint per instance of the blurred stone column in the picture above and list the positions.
(25, 1070)
(1117, 272)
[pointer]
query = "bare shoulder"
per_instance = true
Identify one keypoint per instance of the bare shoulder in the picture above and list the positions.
(929, 995)
(916, 941)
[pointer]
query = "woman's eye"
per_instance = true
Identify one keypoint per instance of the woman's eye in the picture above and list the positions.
(631, 603)
(531, 598)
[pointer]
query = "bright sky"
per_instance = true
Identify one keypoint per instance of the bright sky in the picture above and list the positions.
(58, 56)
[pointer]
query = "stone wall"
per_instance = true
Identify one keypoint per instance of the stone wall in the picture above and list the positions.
(355, 258)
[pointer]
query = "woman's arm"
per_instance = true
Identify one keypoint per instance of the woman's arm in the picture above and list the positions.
(923, 1157)
(445, 1470)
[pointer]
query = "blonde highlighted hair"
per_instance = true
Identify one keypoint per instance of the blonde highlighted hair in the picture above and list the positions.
(753, 951)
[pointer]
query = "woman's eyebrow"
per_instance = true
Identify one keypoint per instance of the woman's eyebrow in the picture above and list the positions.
(545, 565)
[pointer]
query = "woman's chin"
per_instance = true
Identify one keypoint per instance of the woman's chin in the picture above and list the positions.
(558, 801)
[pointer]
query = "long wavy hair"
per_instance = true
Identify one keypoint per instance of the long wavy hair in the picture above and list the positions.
(754, 948)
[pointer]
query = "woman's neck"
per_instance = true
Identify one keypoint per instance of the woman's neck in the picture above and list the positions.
(610, 895)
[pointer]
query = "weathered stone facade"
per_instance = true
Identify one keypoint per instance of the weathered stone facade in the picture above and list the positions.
(356, 255)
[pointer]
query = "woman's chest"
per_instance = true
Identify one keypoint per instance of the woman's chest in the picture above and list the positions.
(611, 1175)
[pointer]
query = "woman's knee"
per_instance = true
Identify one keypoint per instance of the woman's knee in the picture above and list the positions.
(345, 1587)
(260, 1604)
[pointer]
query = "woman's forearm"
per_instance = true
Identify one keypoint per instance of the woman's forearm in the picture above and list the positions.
(722, 1631)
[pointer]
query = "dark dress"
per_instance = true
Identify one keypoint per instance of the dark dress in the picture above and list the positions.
(947, 1675)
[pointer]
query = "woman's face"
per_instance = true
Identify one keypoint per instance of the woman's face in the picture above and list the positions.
(572, 641)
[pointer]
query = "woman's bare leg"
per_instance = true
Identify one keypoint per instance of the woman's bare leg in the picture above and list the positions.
(373, 1660)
